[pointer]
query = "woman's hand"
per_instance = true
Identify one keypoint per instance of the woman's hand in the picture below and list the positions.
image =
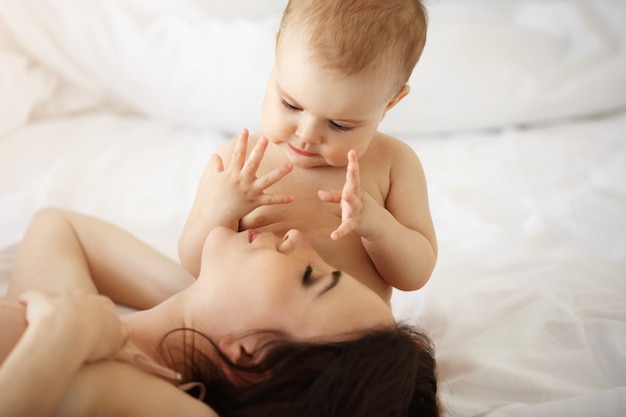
(63, 332)
(90, 321)
(356, 204)
(236, 190)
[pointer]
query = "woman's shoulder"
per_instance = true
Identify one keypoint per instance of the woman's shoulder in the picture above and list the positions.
(111, 388)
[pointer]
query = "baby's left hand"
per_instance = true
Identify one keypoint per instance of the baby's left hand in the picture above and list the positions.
(352, 200)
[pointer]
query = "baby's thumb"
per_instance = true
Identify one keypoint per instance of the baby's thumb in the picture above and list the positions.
(217, 163)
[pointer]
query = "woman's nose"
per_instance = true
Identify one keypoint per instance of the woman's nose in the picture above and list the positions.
(294, 239)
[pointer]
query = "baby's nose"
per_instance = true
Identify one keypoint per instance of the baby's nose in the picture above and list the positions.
(308, 132)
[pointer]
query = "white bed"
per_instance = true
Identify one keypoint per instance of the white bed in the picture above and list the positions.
(517, 110)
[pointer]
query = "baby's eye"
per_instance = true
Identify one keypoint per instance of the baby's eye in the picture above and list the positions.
(340, 128)
(289, 106)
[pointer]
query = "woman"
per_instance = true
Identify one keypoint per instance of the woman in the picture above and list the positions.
(268, 328)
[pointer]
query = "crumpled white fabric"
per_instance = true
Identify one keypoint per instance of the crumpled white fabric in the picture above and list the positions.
(486, 64)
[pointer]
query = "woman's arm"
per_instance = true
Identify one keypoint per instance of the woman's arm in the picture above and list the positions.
(12, 325)
(63, 251)
(63, 333)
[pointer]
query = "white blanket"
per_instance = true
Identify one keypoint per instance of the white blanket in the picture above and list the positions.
(113, 108)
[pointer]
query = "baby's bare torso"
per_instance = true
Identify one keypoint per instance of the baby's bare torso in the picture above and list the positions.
(316, 218)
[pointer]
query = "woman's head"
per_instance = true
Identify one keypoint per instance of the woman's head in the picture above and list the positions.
(384, 372)
(289, 335)
(259, 282)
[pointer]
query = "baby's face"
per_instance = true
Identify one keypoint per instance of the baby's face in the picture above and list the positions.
(316, 115)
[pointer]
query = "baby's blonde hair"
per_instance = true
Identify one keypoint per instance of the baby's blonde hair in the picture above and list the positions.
(354, 36)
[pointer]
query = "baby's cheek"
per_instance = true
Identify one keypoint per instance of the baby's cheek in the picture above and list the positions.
(337, 157)
(274, 125)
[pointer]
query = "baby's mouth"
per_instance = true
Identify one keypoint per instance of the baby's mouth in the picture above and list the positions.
(301, 152)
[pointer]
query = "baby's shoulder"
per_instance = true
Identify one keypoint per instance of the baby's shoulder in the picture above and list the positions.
(388, 148)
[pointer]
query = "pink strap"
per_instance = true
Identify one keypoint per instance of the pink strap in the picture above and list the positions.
(190, 385)
(133, 355)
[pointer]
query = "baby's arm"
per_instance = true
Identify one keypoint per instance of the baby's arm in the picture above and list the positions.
(225, 195)
(399, 238)
(404, 246)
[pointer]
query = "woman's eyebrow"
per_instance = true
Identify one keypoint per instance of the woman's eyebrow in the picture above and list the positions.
(336, 275)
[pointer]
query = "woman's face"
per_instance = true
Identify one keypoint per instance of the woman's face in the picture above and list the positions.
(260, 281)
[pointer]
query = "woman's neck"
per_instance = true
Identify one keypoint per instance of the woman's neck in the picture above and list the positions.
(149, 327)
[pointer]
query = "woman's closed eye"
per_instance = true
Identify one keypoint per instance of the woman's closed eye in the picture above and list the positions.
(308, 279)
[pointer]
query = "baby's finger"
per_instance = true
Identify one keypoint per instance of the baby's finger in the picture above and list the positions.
(217, 163)
(271, 199)
(343, 229)
(251, 165)
(238, 157)
(348, 206)
(353, 180)
(329, 196)
(273, 176)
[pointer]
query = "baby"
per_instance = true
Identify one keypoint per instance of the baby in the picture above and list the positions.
(319, 163)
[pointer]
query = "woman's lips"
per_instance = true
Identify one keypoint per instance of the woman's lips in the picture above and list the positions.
(252, 235)
(301, 152)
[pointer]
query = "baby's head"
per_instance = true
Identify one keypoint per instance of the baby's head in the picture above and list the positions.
(359, 36)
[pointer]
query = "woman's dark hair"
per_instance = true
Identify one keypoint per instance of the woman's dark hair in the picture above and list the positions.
(383, 373)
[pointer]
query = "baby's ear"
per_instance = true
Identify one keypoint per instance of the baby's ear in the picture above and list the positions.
(404, 90)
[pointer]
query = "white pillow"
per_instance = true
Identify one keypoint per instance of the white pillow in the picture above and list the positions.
(23, 88)
(486, 64)
(489, 64)
(169, 60)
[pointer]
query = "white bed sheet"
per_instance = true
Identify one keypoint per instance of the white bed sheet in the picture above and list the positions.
(527, 304)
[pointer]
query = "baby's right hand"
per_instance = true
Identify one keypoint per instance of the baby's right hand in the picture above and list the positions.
(90, 321)
(226, 195)
(236, 189)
